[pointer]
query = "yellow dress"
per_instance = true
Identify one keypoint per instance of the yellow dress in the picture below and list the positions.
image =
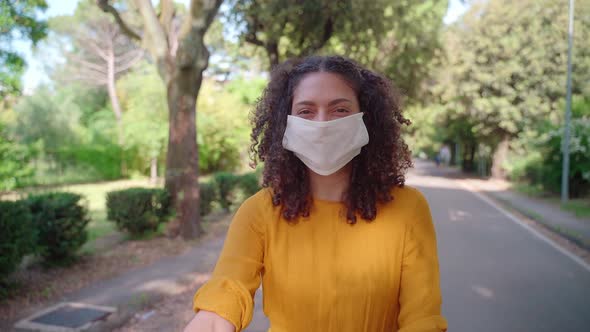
(322, 274)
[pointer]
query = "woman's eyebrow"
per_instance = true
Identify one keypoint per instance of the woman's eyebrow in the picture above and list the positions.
(339, 100)
(305, 102)
(331, 103)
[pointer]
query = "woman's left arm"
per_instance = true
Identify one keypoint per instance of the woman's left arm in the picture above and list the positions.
(420, 297)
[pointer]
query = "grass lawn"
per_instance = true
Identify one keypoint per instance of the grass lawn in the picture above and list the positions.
(580, 207)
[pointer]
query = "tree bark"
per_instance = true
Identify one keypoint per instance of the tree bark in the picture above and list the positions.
(272, 50)
(500, 155)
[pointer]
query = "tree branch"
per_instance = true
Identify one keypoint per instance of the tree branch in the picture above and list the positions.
(85, 63)
(156, 35)
(132, 55)
(107, 8)
(123, 67)
(252, 39)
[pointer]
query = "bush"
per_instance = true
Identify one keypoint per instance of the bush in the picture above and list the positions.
(17, 237)
(226, 184)
(138, 210)
(207, 197)
(249, 184)
(61, 222)
(539, 161)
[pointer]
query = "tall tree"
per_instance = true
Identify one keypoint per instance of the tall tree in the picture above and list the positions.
(18, 20)
(181, 57)
(292, 28)
(506, 68)
(398, 38)
(98, 54)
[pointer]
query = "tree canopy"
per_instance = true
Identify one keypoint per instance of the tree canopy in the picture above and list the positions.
(18, 20)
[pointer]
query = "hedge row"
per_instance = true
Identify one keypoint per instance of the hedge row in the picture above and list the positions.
(52, 226)
(138, 210)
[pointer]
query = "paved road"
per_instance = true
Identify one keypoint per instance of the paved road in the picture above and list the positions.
(495, 275)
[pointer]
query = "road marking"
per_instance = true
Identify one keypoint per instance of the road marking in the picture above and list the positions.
(535, 232)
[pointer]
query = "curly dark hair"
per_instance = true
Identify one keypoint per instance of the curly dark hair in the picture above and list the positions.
(379, 167)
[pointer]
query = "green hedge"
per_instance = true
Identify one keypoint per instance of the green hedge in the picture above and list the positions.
(249, 184)
(208, 195)
(17, 236)
(60, 219)
(232, 188)
(226, 184)
(138, 210)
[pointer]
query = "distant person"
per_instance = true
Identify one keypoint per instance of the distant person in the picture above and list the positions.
(337, 240)
(444, 155)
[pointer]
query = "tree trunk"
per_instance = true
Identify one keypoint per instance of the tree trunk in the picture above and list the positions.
(272, 50)
(182, 160)
(499, 158)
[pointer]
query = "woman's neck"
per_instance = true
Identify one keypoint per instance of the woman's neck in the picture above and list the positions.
(331, 187)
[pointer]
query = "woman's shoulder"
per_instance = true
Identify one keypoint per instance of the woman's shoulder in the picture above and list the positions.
(406, 202)
(258, 204)
(407, 195)
(261, 198)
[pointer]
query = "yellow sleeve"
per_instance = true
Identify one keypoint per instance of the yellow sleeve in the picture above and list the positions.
(237, 275)
(420, 297)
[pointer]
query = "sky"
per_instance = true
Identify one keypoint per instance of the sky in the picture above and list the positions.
(35, 73)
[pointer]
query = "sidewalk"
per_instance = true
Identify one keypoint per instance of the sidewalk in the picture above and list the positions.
(546, 213)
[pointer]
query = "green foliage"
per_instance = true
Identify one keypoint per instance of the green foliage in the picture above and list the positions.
(208, 195)
(506, 66)
(231, 189)
(73, 135)
(14, 162)
(145, 120)
(249, 183)
(298, 28)
(397, 38)
(61, 220)
(222, 128)
(18, 20)
(425, 135)
(17, 237)
(226, 184)
(405, 44)
(138, 210)
(538, 159)
(46, 117)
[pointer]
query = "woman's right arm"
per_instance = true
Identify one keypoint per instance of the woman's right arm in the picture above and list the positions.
(228, 295)
(207, 321)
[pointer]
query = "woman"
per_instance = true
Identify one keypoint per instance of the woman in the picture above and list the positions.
(338, 241)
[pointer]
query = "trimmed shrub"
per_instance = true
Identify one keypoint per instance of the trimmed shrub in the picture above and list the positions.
(208, 196)
(249, 184)
(61, 221)
(17, 236)
(226, 183)
(138, 210)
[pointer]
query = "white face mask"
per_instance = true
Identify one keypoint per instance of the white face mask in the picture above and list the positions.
(326, 146)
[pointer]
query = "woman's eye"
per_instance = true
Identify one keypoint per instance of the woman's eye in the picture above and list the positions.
(303, 112)
(342, 110)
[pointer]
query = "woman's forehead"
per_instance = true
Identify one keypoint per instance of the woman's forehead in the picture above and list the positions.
(323, 86)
